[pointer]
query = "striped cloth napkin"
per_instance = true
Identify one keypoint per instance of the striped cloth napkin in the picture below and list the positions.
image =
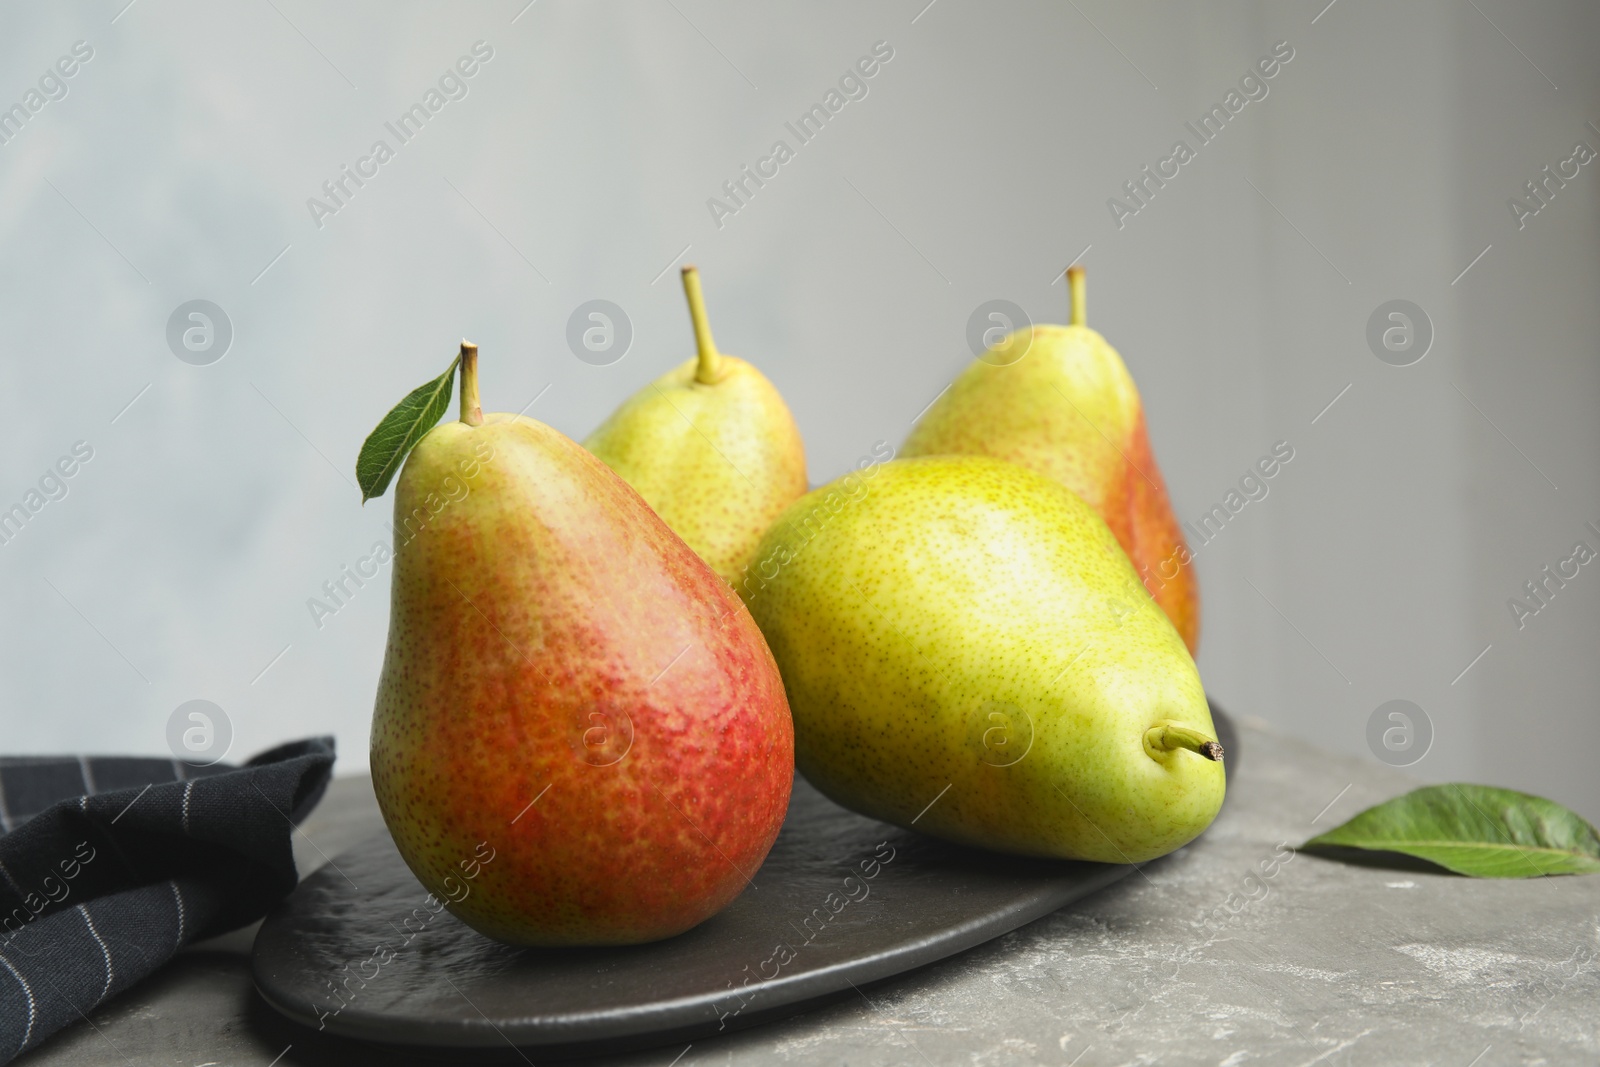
(108, 866)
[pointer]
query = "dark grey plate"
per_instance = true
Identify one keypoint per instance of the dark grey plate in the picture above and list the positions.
(841, 901)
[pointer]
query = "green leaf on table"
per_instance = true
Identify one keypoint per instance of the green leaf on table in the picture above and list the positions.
(1476, 830)
(388, 446)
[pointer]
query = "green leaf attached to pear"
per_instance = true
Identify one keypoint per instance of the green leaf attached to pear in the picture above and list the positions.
(387, 446)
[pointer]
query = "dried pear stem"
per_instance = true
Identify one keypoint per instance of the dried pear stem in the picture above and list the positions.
(471, 409)
(1169, 737)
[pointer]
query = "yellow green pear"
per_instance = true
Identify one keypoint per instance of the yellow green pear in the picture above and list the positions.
(711, 446)
(1060, 401)
(967, 650)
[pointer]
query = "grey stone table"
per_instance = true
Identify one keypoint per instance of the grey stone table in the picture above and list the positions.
(1231, 951)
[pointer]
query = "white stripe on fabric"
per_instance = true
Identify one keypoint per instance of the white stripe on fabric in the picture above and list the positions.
(11, 881)
(33, 1011)
(188, 790)
(177, 895)
(105, 950)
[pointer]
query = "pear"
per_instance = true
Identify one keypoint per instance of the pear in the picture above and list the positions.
(1059, 401)
(968, 651)
(580, 737)
(711, 446)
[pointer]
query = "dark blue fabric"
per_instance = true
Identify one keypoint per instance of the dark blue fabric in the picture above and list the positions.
(109, 866)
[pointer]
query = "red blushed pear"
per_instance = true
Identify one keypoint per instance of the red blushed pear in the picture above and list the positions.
(1060, 401)
(580, 736)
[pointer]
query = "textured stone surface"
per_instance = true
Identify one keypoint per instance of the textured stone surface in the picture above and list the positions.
(1328, 964)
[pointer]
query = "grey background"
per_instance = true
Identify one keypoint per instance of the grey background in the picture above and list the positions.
(578, 167)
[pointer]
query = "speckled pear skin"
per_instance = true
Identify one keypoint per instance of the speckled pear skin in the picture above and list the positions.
(539, 610)
(718, 462)
(1061, 402)
(964, 622)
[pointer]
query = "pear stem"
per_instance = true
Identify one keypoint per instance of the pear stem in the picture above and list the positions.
(1075, 285)
(471, 410)
(709, 371)
(1170, 737)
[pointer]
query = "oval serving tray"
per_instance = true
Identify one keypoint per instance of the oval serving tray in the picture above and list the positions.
(842, 900)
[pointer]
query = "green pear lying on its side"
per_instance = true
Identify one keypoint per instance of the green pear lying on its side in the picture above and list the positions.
(967, 649)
